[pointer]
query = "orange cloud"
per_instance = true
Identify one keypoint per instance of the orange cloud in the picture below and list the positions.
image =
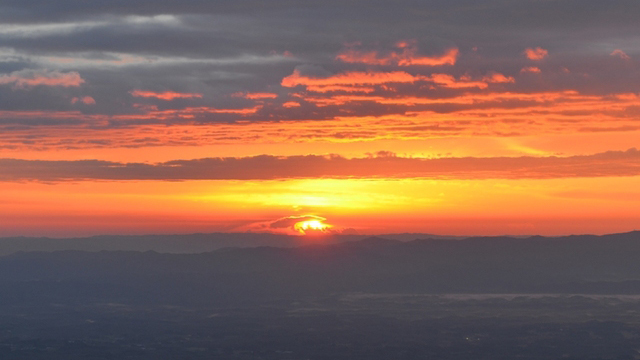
(166, 95)
(448, 58)
(31, 78)
(291, 104)
(530, 69)
(403, 117)
(204, 109)
(407, 57)
(449, 81)
(343, 88)
(536, 53)
(495, 77)
(474, 98)
(256, 95)
(621, 54)
(358, 81)
(350, 79)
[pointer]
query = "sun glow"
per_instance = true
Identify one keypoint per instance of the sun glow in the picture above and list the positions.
(311, 227)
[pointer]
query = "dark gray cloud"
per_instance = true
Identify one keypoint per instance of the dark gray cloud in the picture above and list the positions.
(522, 12)
(384, 165)
(217, 48)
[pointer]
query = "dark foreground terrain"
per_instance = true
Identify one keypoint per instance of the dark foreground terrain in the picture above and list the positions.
(356, 326)
(482, 298)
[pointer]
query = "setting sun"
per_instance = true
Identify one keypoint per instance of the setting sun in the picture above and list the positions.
(311, 226)
(381, 132)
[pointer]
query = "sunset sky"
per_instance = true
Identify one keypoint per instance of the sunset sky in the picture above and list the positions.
(450, 117)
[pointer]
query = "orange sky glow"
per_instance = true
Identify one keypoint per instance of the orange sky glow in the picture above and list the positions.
(398, 136)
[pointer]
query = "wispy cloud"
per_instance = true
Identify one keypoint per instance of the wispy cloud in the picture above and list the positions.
(407, 55)
(255, 95)
(350, 78)
(621, 54)
(165, 95)
(381, 165)
(28, 78)
(531, 69)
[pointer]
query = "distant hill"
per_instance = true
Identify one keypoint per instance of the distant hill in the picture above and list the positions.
(574, 264)
(177, 244)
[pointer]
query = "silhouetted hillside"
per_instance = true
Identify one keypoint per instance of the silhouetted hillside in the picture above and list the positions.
(575, 264)
(178, 244)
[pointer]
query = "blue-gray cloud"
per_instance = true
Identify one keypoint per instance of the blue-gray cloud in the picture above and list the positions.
(383, 165)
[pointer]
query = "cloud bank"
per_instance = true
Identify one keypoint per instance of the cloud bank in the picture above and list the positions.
(382, 165)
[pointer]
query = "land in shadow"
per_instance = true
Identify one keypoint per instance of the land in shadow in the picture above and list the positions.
(482, 298)
(348, 326)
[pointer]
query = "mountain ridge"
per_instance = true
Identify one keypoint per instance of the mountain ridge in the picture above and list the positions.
(583, 264)
(200, 242)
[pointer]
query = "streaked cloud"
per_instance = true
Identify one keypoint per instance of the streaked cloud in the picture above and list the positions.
(28, 78)
(291, 104)
(497, 78)
(380, 165)
(408, 56)
(621, 54)
(473, 114)
(351, 78)
(165, 95)
(531, 69)
(255, 95)
(449, 81)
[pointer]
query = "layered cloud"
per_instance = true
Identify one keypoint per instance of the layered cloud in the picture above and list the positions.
(347, 117)
(165, 95)
(380, 165)
(408, 56)
(352, 78)
(138, 85)
(228, 64)
(256, 95)
(234, 77)
(28, 78)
